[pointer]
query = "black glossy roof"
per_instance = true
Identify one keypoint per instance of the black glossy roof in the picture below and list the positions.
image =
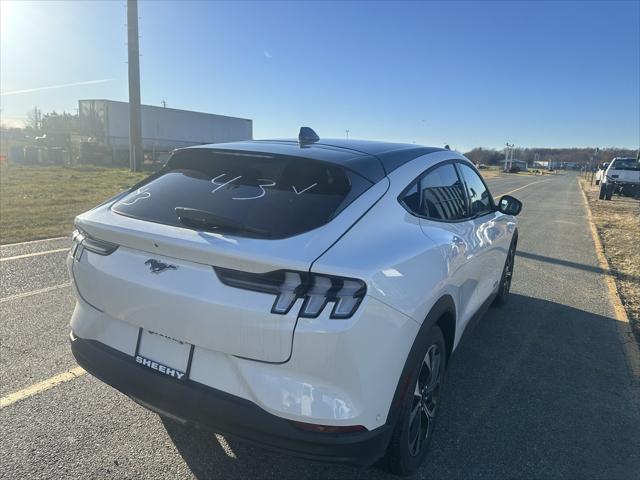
(373, 160)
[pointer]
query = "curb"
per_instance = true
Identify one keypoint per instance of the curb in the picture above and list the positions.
(629, 345)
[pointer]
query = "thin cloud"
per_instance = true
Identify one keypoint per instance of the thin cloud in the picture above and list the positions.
(267, 54)
(51, 87)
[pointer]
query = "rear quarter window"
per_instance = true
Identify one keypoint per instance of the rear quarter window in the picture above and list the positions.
(437, 195)
(246, 194)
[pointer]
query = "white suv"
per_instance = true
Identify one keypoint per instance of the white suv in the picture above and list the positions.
(305, 295)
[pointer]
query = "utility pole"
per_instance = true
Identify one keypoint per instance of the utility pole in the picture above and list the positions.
(135, 123)
(508, 155)
(347, 132)
(593, 162)
(164, 103)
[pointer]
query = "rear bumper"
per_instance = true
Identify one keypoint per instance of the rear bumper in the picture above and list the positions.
(197, 404)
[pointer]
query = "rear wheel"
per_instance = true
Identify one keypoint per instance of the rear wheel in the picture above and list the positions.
(410, 440)
(507, 275)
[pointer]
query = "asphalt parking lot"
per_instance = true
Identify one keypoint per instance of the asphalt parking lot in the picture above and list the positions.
(540, 389)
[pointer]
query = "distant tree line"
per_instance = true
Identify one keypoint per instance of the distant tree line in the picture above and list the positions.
(64, 123)
(489, 156)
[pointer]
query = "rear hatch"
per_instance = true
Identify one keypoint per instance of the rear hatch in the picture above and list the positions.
(250, 212)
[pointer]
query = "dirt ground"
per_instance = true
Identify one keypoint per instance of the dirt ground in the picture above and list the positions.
(618, 224)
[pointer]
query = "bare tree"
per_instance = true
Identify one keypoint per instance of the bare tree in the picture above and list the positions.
(34, 119)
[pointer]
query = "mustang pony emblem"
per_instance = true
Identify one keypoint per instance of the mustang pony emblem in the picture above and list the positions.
(157, 266)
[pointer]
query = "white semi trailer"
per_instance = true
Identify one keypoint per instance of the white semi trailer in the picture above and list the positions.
(106, 122)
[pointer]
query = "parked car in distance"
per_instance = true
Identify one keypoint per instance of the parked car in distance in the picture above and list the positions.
(305, 295)
(622, 177)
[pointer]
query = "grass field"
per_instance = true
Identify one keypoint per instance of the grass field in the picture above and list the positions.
(42, 201)
(491, 172)
(618, 225)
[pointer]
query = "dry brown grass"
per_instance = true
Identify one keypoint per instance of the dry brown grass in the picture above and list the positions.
(618, 225)
(492, 171)
(42, 201)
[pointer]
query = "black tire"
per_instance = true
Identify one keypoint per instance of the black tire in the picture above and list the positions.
(507, 275)
(609, 192)
(603, 191)
(411, 437)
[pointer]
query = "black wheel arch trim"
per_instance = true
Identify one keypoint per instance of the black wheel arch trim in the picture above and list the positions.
(444, 306)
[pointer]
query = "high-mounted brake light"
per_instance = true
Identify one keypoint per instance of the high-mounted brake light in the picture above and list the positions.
(316, 290)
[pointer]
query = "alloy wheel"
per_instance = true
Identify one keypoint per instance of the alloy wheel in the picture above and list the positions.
(508, 272)
(425, 400)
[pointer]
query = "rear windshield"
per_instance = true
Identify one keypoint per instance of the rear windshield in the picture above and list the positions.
(246, 194)
(625, 164)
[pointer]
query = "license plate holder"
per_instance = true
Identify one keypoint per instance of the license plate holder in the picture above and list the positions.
(166, 355)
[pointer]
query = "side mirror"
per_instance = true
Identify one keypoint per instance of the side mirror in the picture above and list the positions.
(509, 205)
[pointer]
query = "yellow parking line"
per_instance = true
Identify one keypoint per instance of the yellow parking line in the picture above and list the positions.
(26, 255)
(41, 386)
(225, 446)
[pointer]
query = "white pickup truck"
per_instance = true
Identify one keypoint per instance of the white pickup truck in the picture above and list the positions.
(622, 176)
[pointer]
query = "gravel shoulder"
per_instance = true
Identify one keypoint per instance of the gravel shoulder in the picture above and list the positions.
(618, 224)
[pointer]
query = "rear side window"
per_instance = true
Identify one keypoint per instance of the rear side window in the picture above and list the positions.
(438, 195)
(246, 194)
(479, 196)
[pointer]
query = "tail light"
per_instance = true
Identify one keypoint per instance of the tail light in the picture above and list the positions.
(287, 286)
(84, 241)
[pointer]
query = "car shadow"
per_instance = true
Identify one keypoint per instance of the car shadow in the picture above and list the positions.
(536, 390)
(579, 266)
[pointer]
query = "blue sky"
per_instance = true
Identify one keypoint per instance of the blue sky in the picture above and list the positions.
(464, 73)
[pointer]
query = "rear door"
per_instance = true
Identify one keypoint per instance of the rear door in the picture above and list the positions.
(240, 211)
(440, 200)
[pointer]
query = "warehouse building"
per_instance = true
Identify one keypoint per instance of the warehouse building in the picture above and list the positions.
(515, 163)
(104, 131)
